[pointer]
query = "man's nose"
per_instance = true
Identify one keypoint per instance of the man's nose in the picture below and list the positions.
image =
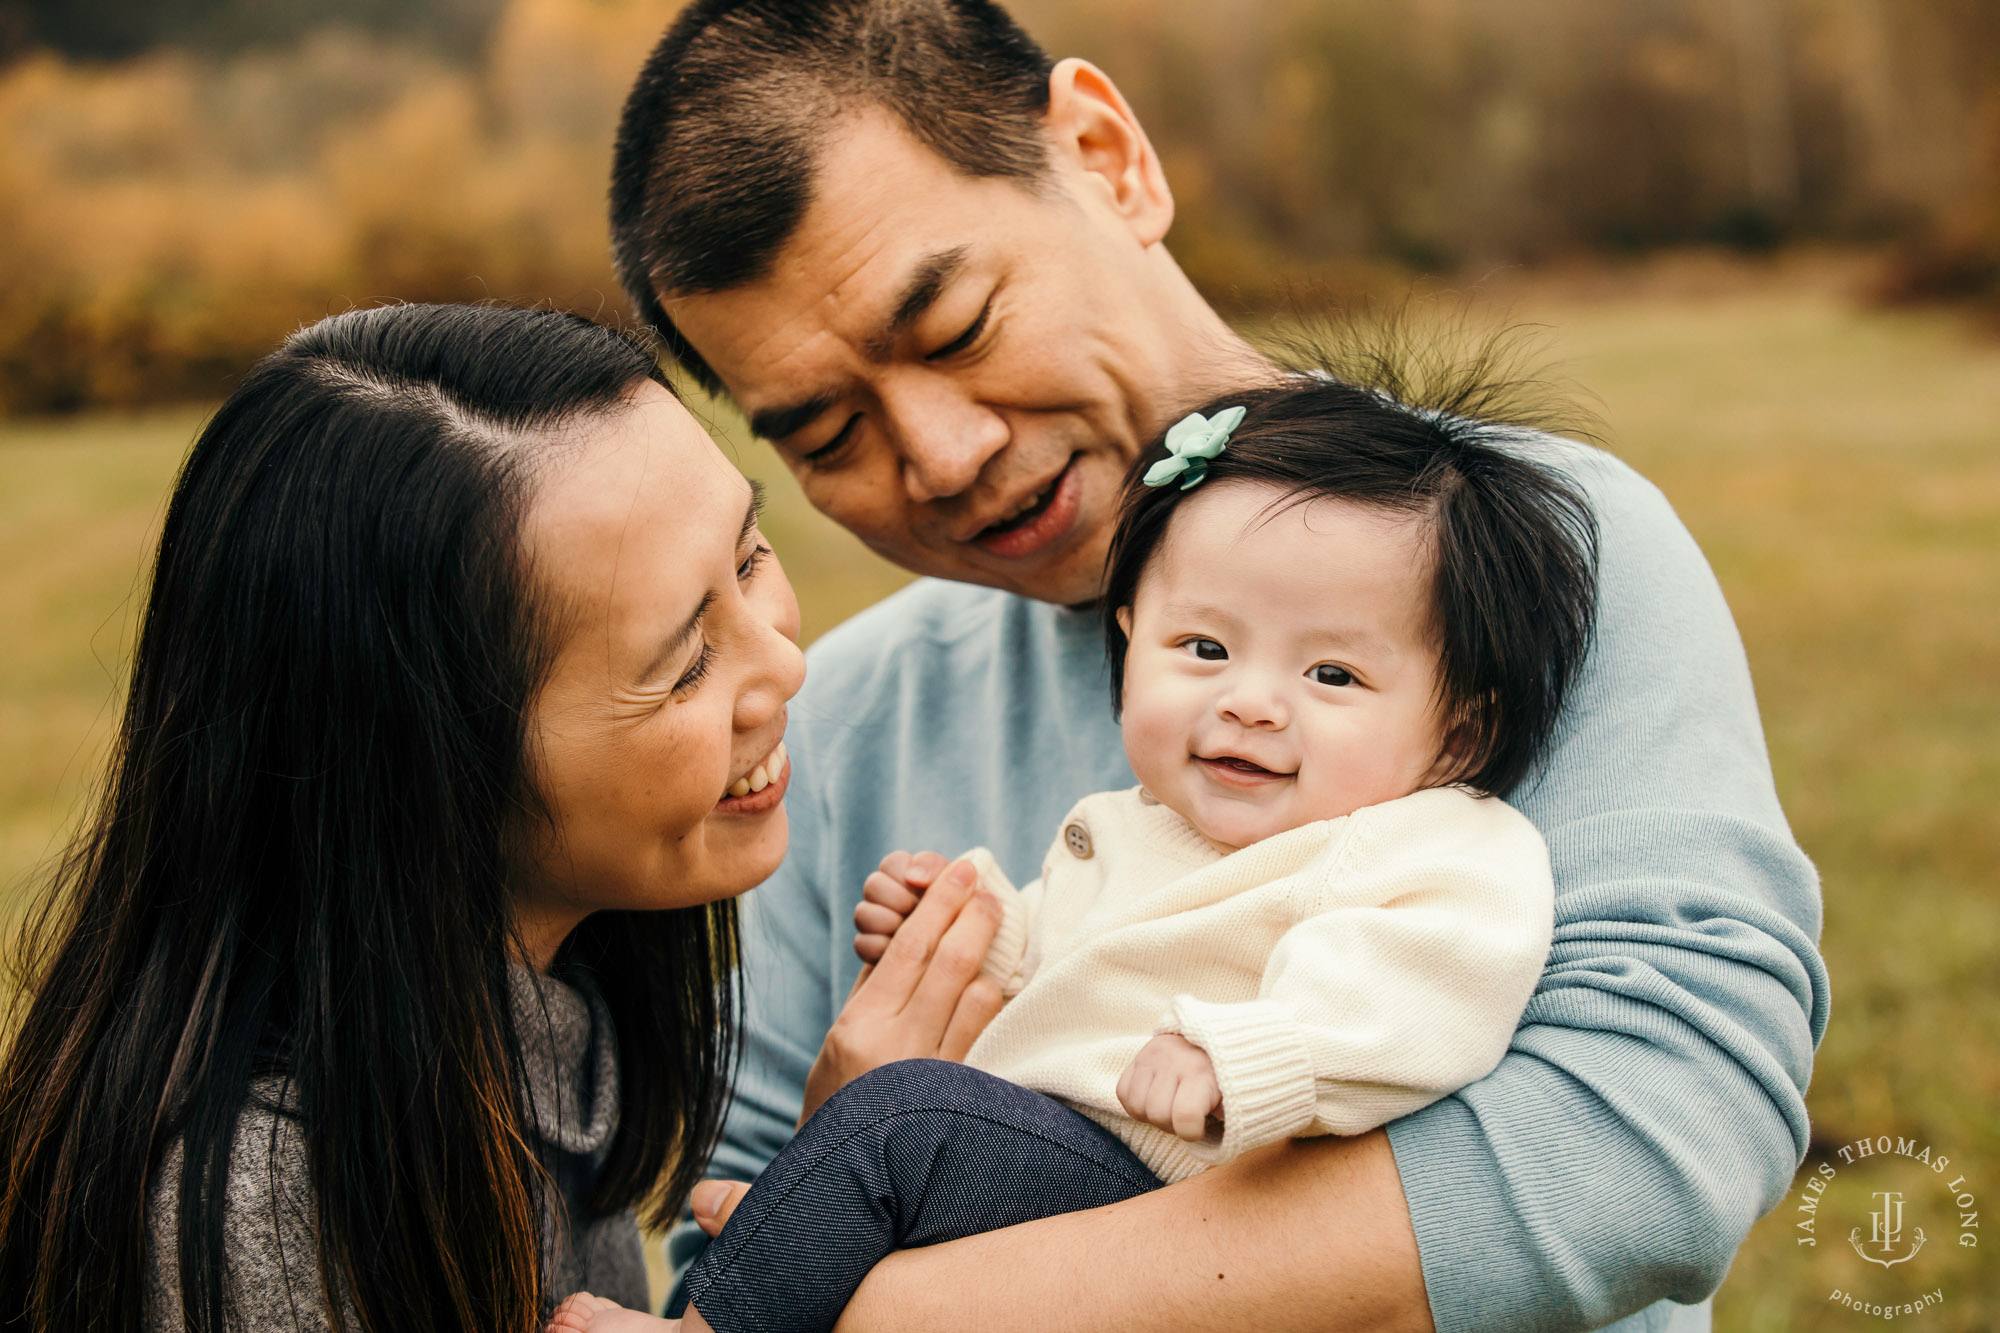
(1253, 700)
(943, 437)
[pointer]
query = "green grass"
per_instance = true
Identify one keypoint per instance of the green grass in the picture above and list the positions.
(1841, 468)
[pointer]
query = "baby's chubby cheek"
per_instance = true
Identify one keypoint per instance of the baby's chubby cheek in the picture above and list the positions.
(1157, 742)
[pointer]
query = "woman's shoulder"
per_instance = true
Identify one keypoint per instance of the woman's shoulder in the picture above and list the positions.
(270, 1235)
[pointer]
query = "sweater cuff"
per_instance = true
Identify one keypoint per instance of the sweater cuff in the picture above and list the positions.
(1262, 1066)
(1009, 950)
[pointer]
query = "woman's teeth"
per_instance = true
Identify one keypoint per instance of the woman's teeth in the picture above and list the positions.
(763, 775)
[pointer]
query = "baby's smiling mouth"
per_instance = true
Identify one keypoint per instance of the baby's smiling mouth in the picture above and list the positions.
(1239, 771)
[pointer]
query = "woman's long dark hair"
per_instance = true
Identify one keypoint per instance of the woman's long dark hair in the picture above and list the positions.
(297, 868)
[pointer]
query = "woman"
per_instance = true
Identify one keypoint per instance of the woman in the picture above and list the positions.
(393, 974)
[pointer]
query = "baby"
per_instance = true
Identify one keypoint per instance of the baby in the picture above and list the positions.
(1339, 630)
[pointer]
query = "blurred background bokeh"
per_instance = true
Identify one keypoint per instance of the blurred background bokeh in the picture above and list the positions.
(1761, 236)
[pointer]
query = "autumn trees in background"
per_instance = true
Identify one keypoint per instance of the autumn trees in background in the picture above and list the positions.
(181, 181)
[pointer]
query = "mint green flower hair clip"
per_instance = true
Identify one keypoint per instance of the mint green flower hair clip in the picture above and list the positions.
(1194, 440)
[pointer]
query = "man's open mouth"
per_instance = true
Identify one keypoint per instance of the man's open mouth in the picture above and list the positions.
(1042, 519)
(1038, 504)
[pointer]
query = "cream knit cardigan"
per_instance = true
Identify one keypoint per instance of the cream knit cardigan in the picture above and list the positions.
(1339, 975)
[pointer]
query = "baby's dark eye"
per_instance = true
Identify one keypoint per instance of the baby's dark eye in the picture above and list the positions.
(1208, 650)
(1326, 673)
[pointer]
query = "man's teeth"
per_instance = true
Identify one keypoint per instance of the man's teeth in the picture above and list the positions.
(763, 775)
(1032, 501)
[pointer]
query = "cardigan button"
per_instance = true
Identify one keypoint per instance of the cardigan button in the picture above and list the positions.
(1077, 838)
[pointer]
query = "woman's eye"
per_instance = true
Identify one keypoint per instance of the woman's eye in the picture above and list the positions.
(1326, 673)
(752, 562)
(1208, 650)
(697, 671)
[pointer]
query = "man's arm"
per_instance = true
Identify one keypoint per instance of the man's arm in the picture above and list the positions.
(1307, 1235)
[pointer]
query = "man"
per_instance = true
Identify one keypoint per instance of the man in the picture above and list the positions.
(930, 265)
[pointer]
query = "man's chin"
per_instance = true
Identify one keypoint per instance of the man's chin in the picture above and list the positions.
(1075, 581)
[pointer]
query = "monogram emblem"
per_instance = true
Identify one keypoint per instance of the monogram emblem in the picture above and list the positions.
(1888, 1230)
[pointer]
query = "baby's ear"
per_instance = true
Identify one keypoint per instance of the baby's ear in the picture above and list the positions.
(1123, 615)
(1457, 755)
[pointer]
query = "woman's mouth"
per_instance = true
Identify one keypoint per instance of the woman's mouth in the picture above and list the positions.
(762, 787)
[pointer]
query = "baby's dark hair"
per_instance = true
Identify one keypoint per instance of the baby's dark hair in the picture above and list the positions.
(1514, 592)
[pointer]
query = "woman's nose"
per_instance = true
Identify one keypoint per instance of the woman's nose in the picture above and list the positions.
(780, 664)
(780, 671)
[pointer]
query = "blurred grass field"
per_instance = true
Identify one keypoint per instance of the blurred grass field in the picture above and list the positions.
(1840, 466)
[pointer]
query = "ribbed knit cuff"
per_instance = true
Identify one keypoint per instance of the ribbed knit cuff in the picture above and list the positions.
(1009, 949)
(1262, 1065)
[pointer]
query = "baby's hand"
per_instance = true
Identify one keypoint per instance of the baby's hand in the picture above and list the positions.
(889, 895)
(1171, 1083)
(585, 1313)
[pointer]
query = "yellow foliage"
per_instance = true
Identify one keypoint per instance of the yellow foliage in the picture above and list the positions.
(165, 221)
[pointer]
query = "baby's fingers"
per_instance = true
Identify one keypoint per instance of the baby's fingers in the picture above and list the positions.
(575, 1314)
(1190, 1110)
(923, 869)
(1160, 1101)
(1132, 1088)
(875, 919)
(884, 890)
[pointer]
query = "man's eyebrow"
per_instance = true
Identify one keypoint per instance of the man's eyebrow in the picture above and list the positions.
(920, 293)
(927, 283)
(775, 423)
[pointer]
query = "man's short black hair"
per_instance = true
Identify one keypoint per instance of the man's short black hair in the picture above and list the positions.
(1514, 591)
(721, 134)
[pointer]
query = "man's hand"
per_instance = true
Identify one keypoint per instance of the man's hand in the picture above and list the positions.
(889, 896)
(925, 999)
(1171, 1084)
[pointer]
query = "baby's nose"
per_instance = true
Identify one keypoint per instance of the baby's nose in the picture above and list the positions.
(1253, 704)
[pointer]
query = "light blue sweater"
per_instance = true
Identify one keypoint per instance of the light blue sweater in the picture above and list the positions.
(1650, 1108)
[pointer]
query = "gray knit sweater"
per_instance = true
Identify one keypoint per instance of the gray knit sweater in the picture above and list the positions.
(269, 1229)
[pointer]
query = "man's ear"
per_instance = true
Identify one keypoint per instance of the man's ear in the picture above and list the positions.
(1123, 615)
(1098, 143)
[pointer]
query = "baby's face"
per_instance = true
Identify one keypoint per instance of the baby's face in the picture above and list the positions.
(1281, 668)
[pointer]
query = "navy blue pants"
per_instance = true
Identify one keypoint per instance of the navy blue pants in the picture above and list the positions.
(910, 1154)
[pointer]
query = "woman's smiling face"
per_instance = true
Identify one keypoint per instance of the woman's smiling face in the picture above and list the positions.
(678, 650)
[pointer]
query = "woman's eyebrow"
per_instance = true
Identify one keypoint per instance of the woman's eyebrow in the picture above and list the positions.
(752, 512)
